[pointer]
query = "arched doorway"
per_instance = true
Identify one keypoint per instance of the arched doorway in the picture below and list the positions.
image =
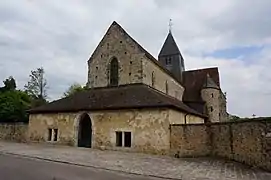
(85, 131)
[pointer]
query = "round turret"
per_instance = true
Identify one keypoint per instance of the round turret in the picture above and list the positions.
(210, 93)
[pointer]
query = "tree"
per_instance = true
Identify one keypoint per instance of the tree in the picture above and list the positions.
(74, 88)
(13, 106)
(10, 85)
(37, 85)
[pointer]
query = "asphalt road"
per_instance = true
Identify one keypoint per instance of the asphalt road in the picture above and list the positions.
(17, 168)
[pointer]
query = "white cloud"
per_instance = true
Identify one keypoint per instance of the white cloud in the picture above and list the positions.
(61, 35)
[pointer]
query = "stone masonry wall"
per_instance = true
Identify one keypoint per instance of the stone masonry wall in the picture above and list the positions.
(115, 44)
(149, 129)
(160, 78)
(134, 66)
(176, 117)
(189, 140)
(223, 108)
(248, 142)
(39, 125)
(14, 132)
(211, 96)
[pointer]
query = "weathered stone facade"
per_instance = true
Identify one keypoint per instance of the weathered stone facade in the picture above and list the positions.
(39, 124)
(248, 142)
(211, 96)
(14, 132)
(149, 128)
(134, 66)
(223, 115)
(115, 44)
(162, 81)
(176, 117)
(189, 140)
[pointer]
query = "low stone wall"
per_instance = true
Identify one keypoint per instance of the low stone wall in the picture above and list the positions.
(248, 142)
(189, 140)
(13, 132)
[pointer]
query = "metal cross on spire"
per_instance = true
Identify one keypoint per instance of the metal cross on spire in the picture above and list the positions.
(170, 25)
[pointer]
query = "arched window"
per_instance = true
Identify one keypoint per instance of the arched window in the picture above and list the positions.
(114, 72)
(152, 78)
(166, 87)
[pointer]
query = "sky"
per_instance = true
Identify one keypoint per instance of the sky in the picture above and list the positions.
(60, 36)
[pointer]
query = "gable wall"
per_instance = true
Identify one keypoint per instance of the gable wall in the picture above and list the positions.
(174, 88)
(115, 44)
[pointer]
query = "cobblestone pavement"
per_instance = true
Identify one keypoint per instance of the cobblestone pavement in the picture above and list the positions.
(151, 165)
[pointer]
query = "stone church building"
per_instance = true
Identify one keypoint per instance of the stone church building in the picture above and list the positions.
(132, 99)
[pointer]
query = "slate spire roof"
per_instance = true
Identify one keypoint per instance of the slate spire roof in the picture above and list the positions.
(209, 83)
(170, 46)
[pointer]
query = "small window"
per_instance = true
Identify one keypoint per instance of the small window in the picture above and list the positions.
(212, 95)
(166, 87)
(211, 108)
(152, 79)
(168, 61)
(55, 134)
(118, 138)
(127, 139)
(114, 72)
(50, 131)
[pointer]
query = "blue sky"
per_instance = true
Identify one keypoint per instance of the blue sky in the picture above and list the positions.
(61, 35)
(242, 53)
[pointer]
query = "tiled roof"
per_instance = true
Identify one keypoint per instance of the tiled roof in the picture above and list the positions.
(194, 81)
(132, 96)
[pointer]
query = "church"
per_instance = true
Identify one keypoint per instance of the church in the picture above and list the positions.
(132, 99)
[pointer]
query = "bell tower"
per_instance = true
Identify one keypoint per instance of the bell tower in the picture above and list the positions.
(170, 56)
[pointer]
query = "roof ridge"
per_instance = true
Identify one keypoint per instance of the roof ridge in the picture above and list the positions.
(202, 69)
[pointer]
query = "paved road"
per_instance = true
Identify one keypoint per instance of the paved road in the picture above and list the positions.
(161, 166)
(17, 168)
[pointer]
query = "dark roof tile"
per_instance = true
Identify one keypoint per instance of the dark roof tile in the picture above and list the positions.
(194, 81)
(169, 47)
(131, 96)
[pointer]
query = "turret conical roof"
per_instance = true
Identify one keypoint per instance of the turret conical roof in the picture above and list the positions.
(209, 83)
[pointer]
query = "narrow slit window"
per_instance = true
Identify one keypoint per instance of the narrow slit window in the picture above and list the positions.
(114, 72)
(211, 108)
(55, 134)
(166, 87)
(152, 79)
(50, 134)
(118, 138)
(127, 139)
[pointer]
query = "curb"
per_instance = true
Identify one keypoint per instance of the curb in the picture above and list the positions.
(83, 165)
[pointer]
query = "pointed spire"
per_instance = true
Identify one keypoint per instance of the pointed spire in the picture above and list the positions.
(170, 25)
(170, 46)
(209, 83)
